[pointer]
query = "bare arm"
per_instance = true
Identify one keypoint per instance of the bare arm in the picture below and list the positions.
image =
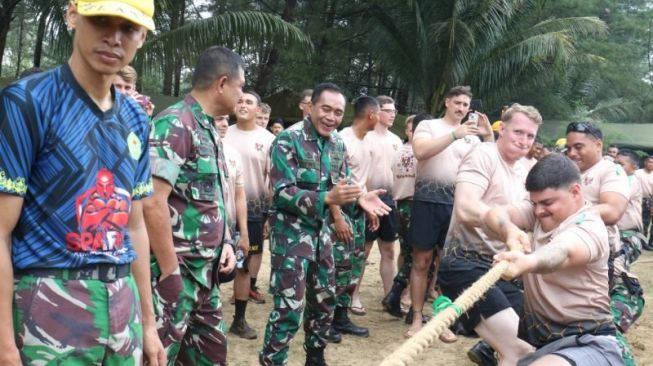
(11, 208)
(468, 204)
(427, 147)
(503, 223)
(159, 230)
(241, 218)
(611, 207)
(152, 347)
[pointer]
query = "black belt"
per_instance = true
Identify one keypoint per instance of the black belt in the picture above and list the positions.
(105, 272)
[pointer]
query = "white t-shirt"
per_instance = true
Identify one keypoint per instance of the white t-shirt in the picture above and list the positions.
(235, 169)
(404, 169)
(501, 183)
(646, 179)
(384, 147)
(359, 156)
(254, 148)
(436, 176)
(632, 218)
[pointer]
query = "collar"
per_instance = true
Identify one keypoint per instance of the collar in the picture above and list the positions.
(201, 117)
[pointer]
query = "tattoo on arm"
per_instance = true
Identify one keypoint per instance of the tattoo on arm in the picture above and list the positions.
(550, 257)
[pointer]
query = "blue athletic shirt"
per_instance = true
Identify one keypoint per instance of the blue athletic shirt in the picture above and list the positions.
(76, 167)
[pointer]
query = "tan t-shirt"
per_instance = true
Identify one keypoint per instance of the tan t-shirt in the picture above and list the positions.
(646, 179)
(404, 168)
(632, 218)
(359, 156)
(606, 176)
(384, 147)
(254, 149)
(576, 295)
(436, 176)
(235, 171)
(501, 183)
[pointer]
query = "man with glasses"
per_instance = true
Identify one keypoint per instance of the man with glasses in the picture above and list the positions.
(74, 176)
(384, 144)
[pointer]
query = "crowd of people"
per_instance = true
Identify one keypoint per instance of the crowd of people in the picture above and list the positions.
(119, 226)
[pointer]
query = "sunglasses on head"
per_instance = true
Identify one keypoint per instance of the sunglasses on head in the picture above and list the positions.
(586, 128)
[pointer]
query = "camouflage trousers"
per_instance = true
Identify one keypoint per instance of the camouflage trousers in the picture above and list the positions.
(350, 261)
(403, 274)
(77, 322)
(646, 218)
(626, 301)
(189, 317)
(626, 351)
(301, 289)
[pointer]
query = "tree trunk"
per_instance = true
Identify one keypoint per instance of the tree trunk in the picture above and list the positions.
(40, 34)
(21, 29)
(169, 58)
(267, 69)
(6, 16)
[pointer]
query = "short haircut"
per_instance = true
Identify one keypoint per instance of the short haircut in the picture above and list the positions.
(588, 128)
(459, 90)
(307, 93)
(278, 121)
(213, 63)
(364, 103)
(553, 171)
(613, 145)
(419, 118)
(634, 159)
(650, 157)
(255, 94)
(321, 88)
(128, 74)
(529, 111)
(265, 108)
(384, 99)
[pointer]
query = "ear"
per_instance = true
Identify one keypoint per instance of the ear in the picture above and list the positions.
(220, 83)
(71, 15)
(575, 189)
(143, 37)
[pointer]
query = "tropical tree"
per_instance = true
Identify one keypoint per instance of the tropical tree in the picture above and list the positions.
(431, 46)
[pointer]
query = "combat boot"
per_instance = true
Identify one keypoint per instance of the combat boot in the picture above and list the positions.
(343, 324)
(315, 357)
(240, 328)
(333, 336)
(392, 301)
(482, 354)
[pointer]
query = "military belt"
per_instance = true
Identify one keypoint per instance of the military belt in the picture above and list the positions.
(105, 272)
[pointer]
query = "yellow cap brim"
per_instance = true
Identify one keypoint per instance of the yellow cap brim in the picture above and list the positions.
(115, 9)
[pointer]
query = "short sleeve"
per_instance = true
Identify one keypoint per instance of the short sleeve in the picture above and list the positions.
(20, 139)
(615, 180)
(477, 168)
(143, 178)
(170, 146)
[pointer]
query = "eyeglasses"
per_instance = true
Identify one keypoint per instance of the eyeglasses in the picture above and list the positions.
(586, 128)
(389, 111)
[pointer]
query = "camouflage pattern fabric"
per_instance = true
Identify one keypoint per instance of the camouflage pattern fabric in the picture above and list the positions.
(189, 317)
(626, 351)
(646, 218)
(350, 260)
(631, 247)
(626, 301)
(77, 322)
(186, 152)
(403, 274)
(304, 167)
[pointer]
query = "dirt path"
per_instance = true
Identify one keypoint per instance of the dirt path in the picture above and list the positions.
(386, 332)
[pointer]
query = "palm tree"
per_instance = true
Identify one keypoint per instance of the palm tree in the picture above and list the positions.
(434, 45)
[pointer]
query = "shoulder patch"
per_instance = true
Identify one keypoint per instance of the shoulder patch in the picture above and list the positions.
(579, 219)
(135, 147)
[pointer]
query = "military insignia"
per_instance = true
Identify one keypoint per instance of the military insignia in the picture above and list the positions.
(259, 146)
(587, 181)
(134, 145)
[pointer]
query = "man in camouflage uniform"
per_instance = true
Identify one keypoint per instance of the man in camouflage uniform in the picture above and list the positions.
(308, 174)
(188, 169)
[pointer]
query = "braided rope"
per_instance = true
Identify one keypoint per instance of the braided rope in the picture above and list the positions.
(407, 352)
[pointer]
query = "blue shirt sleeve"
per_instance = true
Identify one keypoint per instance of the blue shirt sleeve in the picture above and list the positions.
(20, 138)
(143, 176)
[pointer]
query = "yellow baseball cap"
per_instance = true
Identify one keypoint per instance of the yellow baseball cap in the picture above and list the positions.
(496, 126)
(561, 142)
(136, 11)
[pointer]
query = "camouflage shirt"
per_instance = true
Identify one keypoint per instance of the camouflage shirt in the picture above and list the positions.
(304, 167)
(186, 152)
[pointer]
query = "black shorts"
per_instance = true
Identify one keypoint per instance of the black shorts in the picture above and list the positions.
(388, 225)
(255, 231)
(429, 223)
(457, 274)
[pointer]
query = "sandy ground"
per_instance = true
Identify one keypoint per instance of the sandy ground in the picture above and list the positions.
(386, 332)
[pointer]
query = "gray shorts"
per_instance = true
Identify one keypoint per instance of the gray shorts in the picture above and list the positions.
(581, 350)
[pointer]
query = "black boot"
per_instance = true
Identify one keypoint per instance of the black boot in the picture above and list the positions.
(315, 357)
(392, 301)
(333, 336)
(482, 354)
(343, 324)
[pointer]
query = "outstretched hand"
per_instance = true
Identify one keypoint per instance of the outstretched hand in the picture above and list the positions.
(372, 204)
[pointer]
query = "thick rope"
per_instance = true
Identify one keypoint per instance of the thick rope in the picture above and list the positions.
(407, 352)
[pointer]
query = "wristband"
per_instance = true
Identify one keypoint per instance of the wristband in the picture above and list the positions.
(453, 134)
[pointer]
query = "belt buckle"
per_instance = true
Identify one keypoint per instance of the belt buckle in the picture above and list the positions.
(108, 273)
